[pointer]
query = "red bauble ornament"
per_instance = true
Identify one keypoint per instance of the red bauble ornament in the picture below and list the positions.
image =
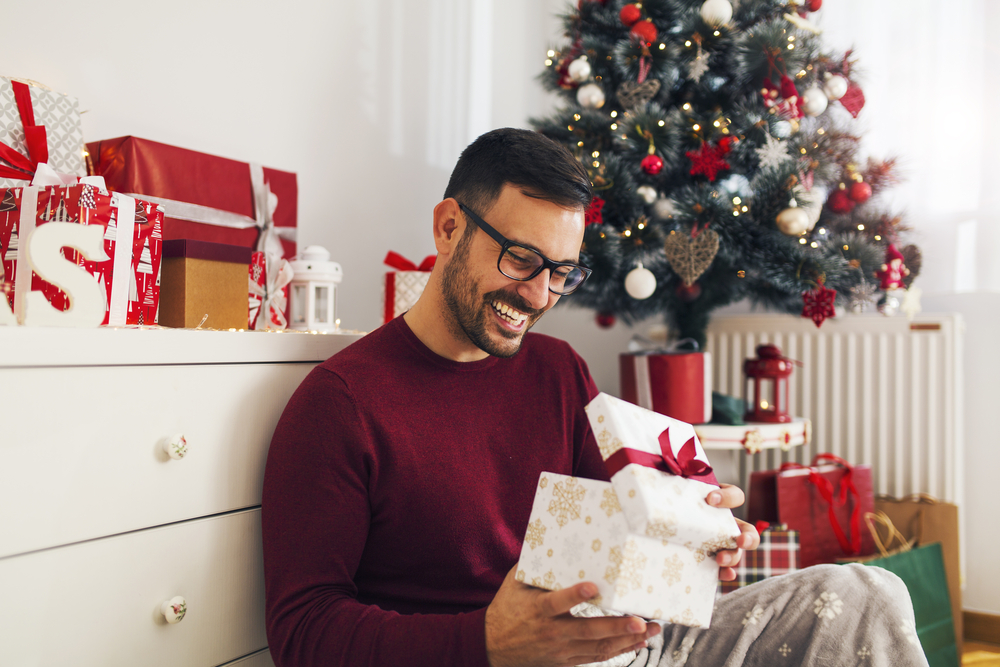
(605, 320)
(840, 202)
(688, 293)
(817, 304)
(630, 14)
(814, 5)
(593, 214)
(707, 160)
(646, 31)
(652, 164)
(726, 144)
(860, 192)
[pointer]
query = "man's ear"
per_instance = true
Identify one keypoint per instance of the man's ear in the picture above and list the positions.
(449, 226)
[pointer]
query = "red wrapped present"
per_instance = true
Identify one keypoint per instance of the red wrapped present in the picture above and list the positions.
(678, 385)
(206, 198)
(777, 554)
(824, 503)
(268, 294)
(130, 274)
(405, 285)
(37, 125)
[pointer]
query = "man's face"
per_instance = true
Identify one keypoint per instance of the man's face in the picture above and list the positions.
(488, 309)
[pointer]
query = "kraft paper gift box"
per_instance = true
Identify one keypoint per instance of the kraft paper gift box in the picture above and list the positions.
(130, 274)
(204, 283)
(647, 539)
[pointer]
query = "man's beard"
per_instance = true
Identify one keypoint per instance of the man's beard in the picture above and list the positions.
(471, 314)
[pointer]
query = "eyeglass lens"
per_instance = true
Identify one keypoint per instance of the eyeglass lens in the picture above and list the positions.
(522, 263)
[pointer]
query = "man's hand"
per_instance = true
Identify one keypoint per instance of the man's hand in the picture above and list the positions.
(529, 627)
(731, 497)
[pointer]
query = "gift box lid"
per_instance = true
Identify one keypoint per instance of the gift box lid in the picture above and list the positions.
(639, 445)
(218, 252)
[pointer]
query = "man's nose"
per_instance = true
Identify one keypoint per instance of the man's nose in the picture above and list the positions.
(536, 290)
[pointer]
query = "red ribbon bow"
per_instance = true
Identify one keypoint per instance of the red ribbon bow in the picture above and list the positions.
(23, 167)
(684, 464)
(827, 493)
(397, 261)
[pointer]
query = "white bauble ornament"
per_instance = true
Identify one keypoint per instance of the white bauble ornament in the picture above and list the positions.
(640, 283)
(590, 96)
(793, 221)
(835, 86)
(579, 70)
(782, 129)
(814, 207)
(647, 192)
(716, 12)
(736, 185)
(664, 208)
(814, 101)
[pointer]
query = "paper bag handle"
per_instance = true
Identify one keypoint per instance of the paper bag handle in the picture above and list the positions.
(894, 535)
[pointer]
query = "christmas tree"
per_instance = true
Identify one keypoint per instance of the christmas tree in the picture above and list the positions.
(719, 140)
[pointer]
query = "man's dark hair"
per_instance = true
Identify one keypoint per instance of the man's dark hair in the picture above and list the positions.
(538, 166)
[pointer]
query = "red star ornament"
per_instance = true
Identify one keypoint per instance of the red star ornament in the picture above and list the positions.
(708, 160)
(593, 215)
(818, 303)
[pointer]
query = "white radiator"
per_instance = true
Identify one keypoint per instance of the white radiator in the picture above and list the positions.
(879, 390)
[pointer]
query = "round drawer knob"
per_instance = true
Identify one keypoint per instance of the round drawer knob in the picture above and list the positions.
(176, 446)
(174, 609)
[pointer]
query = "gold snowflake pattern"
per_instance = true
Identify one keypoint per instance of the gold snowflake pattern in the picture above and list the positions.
(566, 499)
(864, 653)
(610, 503)
(673, 567)
(687, 618)
(662, 528)
(607, 443)
(535, 536)
(519, 576)
(626, 568)
(784, 650)
(596, 545)
(828, 605)
(549, 581)
(711, 547)
(545, 482)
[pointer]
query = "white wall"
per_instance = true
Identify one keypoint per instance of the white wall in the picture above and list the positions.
(371, 101)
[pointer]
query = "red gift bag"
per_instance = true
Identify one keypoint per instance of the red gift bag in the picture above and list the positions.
(824, 503)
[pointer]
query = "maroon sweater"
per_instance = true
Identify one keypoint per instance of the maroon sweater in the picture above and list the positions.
(397, 492)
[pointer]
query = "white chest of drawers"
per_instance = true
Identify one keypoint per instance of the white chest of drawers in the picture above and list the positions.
(99, 525)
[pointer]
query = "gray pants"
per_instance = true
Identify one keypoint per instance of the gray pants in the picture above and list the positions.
(827, 615)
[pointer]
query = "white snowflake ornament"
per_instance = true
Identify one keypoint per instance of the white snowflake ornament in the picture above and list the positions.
(698, 66)
(773, 153)
(911, 302)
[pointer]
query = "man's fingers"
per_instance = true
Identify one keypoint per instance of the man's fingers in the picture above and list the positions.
(727, 574)
(749, 538)
(727, 496)
(729, 557)
(561, 601)
(605, 649)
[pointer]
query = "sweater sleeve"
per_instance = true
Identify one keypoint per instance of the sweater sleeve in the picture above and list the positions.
(315, 517)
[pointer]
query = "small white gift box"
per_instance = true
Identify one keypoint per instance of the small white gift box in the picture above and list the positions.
(648, 538)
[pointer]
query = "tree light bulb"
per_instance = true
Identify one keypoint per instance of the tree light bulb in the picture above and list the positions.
(614, 114)
(661, 123)
(847, 247)
(791, 46)
(551, 53)
(686, 106)
(861, 228)
(696, 127)
(737, 200)
(802, 241)
(662, 46)
(688, 43)
(716, 33)
(548, 62)
(878, 238)
(595, 154)
(614, 126)
(813, 245)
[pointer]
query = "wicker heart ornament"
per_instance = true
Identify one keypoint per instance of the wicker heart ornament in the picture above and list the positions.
(691, 257)
(632, 95)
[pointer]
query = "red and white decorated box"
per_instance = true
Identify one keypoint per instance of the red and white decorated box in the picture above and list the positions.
(677, 385)
(405, 285)
(275, 295)
(205, 197)
(132, 243)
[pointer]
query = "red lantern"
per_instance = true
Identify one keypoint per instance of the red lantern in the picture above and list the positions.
(768, 400)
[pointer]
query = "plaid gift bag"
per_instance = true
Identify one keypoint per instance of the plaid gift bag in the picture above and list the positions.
(778, 553)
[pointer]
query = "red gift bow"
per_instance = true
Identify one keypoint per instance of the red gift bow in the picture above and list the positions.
(826, 491)
(397, 261)
(23, 168)
(684, 464)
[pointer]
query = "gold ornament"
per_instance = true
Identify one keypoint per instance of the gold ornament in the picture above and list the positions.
(691, 257)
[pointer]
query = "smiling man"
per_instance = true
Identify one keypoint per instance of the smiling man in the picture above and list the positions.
(401, 475)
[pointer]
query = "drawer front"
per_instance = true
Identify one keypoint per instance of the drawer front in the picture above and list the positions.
(98, 603)
(80, 453)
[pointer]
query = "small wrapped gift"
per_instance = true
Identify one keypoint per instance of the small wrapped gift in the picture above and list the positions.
(651, 534)
(777, 554)
(130, 274)
(404, 285)
(37, 125)
(204, 284)
(268, 293)
(675, 382)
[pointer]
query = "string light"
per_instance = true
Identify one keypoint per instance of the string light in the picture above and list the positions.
(580, 144)
(802, 241)
(548, 62)
(716, 33)
(661, 123)
(822, 230)
(614, 114)
(576, 116)
(627, 232)
(551, 53)
(662, 46)
(686, 106)
(861, 228)
(741, 273)
(813, 245)
(791, 46)
(642, 225)
(596, 163)
(595, 154)
(696, 127)
(847, 247)
(878, 238)
(737, 200)
(614, 126)
(688, 43)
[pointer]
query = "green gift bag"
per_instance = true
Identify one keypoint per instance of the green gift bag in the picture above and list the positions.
(922, 570)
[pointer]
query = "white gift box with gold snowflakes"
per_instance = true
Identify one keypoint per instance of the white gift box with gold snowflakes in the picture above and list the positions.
(578, 532)
(660, 504)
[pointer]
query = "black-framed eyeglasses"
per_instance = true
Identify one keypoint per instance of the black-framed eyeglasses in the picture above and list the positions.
(519, 262)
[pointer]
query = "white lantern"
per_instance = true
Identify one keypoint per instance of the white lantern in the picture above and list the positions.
(313, 291)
